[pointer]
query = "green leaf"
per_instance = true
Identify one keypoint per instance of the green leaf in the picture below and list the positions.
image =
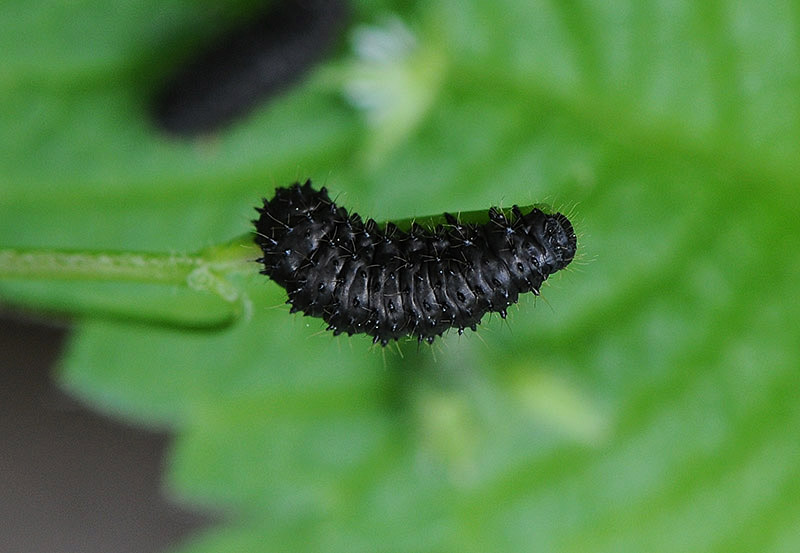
(648, 402)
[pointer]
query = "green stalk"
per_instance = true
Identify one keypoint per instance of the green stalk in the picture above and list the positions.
(465, 217)
(96, 265)
(211, 270)
(199, 271)
(163, 268)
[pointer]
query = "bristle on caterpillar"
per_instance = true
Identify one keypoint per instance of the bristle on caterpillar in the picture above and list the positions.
(390, 283)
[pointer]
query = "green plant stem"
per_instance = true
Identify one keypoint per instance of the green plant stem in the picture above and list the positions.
(473, 217)
(100, 265)
(164, 268)
(207, 270)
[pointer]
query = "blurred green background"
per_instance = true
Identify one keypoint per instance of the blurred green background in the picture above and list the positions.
(648, 403)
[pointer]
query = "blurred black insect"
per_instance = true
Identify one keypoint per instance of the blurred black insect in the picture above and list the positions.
(247, 64)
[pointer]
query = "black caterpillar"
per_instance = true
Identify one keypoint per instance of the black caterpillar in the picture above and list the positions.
(390, 283)
(248, 63)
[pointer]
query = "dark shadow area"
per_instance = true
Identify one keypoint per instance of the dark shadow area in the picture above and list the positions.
(71, 480)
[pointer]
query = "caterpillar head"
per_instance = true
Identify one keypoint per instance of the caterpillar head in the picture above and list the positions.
(555, 233)
(561, 239)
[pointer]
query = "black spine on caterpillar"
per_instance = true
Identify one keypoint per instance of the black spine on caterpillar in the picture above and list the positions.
(389, 283)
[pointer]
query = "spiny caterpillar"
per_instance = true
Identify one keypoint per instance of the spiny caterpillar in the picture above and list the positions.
(390, 283)
(247, 63)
